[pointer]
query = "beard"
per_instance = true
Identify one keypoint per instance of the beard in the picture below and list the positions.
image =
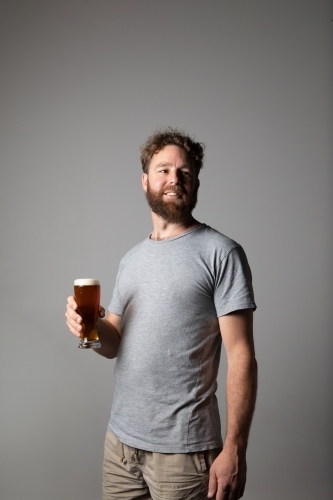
(172, 211)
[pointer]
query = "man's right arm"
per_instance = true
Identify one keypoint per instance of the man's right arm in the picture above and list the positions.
(109, 336)
(108, 329)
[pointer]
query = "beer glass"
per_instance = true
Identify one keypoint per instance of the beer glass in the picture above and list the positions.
(87, 295)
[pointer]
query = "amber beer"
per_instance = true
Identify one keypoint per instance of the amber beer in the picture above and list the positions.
(87, 294)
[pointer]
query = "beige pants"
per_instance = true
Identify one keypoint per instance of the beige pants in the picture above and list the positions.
(130, 474)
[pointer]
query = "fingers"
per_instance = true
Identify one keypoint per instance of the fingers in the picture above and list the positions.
(225, 492)
(222, 494)
(212, 484)
(219, 489)
(101, 312)
(73, 319)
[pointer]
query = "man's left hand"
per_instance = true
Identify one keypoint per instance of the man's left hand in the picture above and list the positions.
(227, 476)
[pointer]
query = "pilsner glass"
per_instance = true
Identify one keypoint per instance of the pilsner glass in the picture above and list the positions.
(87, 295)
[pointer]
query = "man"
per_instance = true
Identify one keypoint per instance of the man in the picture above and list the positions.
(178, 295)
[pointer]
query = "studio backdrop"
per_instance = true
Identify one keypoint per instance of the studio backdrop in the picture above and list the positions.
(83, 83)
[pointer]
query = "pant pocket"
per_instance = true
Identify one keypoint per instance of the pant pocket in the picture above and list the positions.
(199, 462)
(210, 455)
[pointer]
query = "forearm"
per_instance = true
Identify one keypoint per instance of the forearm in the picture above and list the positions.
(227, 477)
(109, 338)
(241, 398)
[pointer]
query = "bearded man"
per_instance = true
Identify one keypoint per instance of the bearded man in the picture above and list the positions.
(178, 295)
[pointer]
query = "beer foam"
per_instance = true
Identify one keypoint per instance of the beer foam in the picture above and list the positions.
(86, 282)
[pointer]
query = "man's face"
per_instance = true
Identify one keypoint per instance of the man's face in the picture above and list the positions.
(171, 184)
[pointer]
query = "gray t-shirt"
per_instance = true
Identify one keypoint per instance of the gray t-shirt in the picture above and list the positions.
(170, 294)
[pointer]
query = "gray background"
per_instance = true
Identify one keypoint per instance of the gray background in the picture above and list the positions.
(83, 83)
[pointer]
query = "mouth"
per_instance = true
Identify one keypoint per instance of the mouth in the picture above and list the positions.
(173, 194)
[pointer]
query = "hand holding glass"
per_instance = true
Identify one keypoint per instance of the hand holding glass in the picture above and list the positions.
(87, 294)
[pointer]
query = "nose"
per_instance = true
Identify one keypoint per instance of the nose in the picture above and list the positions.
(174, 177)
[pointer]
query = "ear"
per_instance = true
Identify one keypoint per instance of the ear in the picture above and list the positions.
(144, 181)
(197, 183)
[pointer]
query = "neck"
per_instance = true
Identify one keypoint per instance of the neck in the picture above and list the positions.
(163, 230)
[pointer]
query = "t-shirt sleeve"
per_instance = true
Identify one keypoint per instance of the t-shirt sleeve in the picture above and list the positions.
(116, 305)
(233, 283)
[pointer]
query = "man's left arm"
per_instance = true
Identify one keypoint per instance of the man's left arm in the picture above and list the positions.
(228, 472)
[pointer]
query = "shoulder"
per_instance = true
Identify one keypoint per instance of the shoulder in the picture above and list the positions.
(215, 236)
(214, 241)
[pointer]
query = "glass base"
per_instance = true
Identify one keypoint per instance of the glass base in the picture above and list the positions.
(87, 344)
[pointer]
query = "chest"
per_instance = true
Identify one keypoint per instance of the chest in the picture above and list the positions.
(172, 279)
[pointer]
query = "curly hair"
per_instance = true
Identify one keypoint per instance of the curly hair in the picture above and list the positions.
(167, 137)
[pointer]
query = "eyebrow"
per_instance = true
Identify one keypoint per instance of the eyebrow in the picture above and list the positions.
(167, 164)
